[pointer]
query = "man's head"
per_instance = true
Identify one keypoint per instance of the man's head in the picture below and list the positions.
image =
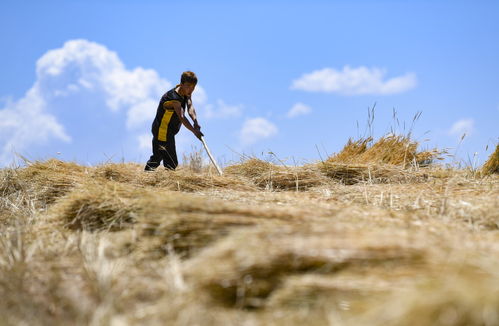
(188, 82)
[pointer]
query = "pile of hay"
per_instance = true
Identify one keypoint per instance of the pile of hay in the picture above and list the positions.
(185, 223)
(119, 172)
(351, 151)
(187, 181)
(492, 164)
(273, 177)
(391, 149)
(258, 261)
(186, 233)
(97, 206)
(350, 174)
(15, 203)
(49, 180)
(384, 161)
(10, 182)
(468, 297)
(182, 179)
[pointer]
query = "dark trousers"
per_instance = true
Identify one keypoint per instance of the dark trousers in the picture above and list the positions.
(163, 151)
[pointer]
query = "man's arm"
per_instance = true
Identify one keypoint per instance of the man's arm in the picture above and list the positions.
(178, 109)
(192, 113)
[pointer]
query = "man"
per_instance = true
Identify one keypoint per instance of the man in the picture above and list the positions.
(169, 118)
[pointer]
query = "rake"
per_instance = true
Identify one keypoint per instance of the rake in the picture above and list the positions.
(211, 156)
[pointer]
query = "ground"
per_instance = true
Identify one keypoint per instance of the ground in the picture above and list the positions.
(265, 244)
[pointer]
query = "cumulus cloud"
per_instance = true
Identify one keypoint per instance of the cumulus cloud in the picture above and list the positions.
(83, 65)
(141, 113)
(461, 127)
(87, 105)
(354, 81)
(222, 110)
(24, 123)
(298, 109)
(199, 96)
(74, 85)
(256, 129)
(144, 142)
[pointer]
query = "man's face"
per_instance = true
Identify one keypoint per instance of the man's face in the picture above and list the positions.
(188, 88)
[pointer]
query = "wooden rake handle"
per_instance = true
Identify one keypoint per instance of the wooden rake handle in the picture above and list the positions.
(211, 156)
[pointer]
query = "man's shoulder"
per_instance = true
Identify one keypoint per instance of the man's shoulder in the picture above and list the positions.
(172, 95)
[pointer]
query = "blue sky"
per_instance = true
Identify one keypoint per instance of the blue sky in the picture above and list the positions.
(81, 79)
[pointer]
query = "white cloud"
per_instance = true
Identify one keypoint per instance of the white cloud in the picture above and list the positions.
(354, 81)
(298, 109)
(145, 142)
(199, 96)
(25, 123)
(222, 110)
(141, 113)
(461, 127)
(85, 103)
(80, 79)
(83, 65)
(256, 129)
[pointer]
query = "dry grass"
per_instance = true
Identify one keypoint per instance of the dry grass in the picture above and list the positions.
(50, 179)
(350, 174)
(439, 301)
(97, 206)
(390, 149)
(257, 262)
(183, 179)
(391, 159)
(343, 242)
(492, 164)
(269, 176)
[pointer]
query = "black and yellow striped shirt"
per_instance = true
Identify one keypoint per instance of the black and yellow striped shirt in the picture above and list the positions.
(167, 122)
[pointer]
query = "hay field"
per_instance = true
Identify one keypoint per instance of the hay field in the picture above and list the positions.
(367, 237)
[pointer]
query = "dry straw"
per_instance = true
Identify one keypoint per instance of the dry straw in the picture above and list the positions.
(191, 247)
(385, 161)
(492, 164)
(468, 297)
(49, 180)
(390, 149)
(173, 222)
(258, 261)
(350, 174)
(97, 206)
(274, 177)
(183, 179)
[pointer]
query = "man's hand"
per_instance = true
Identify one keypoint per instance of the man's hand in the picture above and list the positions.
(198, 133)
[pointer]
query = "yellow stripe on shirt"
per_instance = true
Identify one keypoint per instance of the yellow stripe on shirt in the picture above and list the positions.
(163, 128)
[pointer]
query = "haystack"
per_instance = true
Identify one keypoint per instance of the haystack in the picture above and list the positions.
(492, 164)
(51, 179)
(182, 179)
(273, 177)
(351, 151)
(119, 172)
(186, 233)
(188, 181)
(258, 261)
(350, 174)
(381, 162)
(96, 206)
(10, 182)
(185, 223)
(468, 297)
(391, 149)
